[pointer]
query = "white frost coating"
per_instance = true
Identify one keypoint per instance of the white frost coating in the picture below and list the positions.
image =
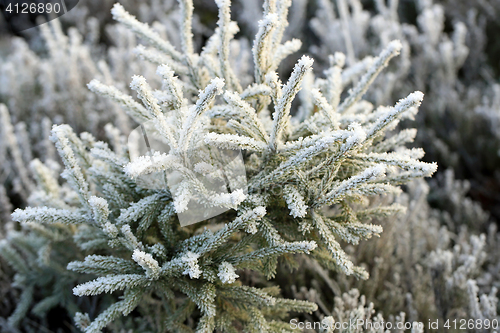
(146, 261)
(334, 84)
(367, 175)
(285, 50)
(295, 201)
(134, 109)
(99, 203)
(248, 114)
(186, 18)
(358, 134)
(221, 3)
(100, 212)
(204, 168)
(82, 321)
(232, 199)
(328, 322)
(148, 164)
(190, 260)
(121, 15)
(129, 236)
(182, 197)
(412, 101)
(257, 213)
(227, 273)
(225, 28)
(61, 135)
(262, 44)
(252, 219)
(205, 98)
(394, 47)
(324, 106)
(47, 215)
(110, 229)
(380, 62)
(171, 84)
(282, 109)
(109, 284)
(159, 58)
(314, 147)
(214, 88)
(339, 59)
(233, 141)
(145, 93)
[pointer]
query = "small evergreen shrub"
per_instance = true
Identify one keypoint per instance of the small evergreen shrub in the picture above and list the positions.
(102, 232)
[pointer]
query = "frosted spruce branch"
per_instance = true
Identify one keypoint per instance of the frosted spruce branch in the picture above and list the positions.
(282, 109)
(145, 93)
(379, 63)
(134, 109)
(143, 30)
(262, 46)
